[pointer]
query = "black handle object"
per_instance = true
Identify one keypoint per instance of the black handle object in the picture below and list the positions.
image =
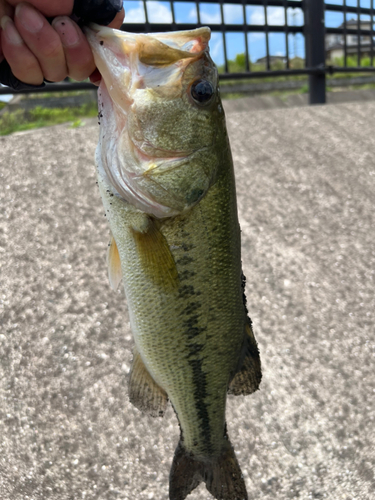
(7, 78)
(85, 11)
(97, 11)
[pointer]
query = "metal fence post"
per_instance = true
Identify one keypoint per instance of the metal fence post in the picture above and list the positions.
(315, 48)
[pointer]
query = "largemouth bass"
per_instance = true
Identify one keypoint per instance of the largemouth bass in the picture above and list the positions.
(166, 179)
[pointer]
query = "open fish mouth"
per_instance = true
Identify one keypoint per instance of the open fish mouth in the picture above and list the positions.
(129, 61)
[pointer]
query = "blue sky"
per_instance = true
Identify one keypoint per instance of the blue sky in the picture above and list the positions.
(185, 12)
(160, 11)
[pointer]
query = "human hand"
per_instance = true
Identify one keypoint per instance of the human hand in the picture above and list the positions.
(37, 50)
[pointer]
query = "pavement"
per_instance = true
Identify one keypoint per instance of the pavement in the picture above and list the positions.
(269, 101)
(305, 182)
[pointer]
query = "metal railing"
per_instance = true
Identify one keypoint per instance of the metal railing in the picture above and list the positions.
(312, 31)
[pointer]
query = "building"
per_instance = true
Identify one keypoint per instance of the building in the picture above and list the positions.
(273, 59)
(335, 46)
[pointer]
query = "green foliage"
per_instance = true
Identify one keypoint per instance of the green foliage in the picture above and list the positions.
(42, 117)
(352, 61)
(238, 65)
(2, 105)
(297, 63)
(277, 65)
(77, 123)
(304, 89)
(241, 61)
(52, 95)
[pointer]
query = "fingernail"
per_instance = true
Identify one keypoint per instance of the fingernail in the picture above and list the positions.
(67, 31)
(30, 19)
(10, 31)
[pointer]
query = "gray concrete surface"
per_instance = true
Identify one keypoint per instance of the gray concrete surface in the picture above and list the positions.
(27, 103)
(261, 102)
(305, 179)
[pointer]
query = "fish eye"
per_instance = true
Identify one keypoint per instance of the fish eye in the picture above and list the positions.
(202, 91)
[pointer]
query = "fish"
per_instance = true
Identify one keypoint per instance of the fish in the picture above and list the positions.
(166, 179)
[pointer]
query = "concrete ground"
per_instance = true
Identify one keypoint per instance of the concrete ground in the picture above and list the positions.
(268, 101)
(305, 180)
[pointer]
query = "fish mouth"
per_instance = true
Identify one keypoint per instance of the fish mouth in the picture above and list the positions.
(187, 42)
(129, 61)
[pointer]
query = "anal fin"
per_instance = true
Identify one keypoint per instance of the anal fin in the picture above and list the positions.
(114, 264)
(144, 392)
(249, 374)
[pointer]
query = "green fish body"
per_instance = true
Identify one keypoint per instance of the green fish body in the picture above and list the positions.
(171, 206)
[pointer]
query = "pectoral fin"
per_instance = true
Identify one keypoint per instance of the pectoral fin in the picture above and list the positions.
(155, 256)
(247, 378)
(114, 264)
(144, 392)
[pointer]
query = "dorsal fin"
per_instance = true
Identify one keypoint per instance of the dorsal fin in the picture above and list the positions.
(114, 264)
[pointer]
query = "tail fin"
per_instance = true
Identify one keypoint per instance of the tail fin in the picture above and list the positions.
(221, 474)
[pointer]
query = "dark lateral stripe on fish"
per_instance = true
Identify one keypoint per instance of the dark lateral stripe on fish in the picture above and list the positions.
(194, 349)
(186, 291)
(191, 308)
(192, 329)
(200, 393)
(186, 275)
(185, 260)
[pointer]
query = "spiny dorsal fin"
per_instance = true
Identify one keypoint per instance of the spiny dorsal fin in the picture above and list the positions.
(114, 264)
(248, 377)
(144, 392)
(155, 256)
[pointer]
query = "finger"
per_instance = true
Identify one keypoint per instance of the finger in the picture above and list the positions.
(23, 63)
(118, 20)
(42, 40)
(49, 8)
(5, 10)
(78, 55)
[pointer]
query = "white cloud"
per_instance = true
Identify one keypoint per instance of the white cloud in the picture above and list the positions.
(295, 17)
(156, 11)
(135, 15)
(276, 16)
(233, 14)
(216, 48)
(256, 15)
(192, 16)
(209, 17)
